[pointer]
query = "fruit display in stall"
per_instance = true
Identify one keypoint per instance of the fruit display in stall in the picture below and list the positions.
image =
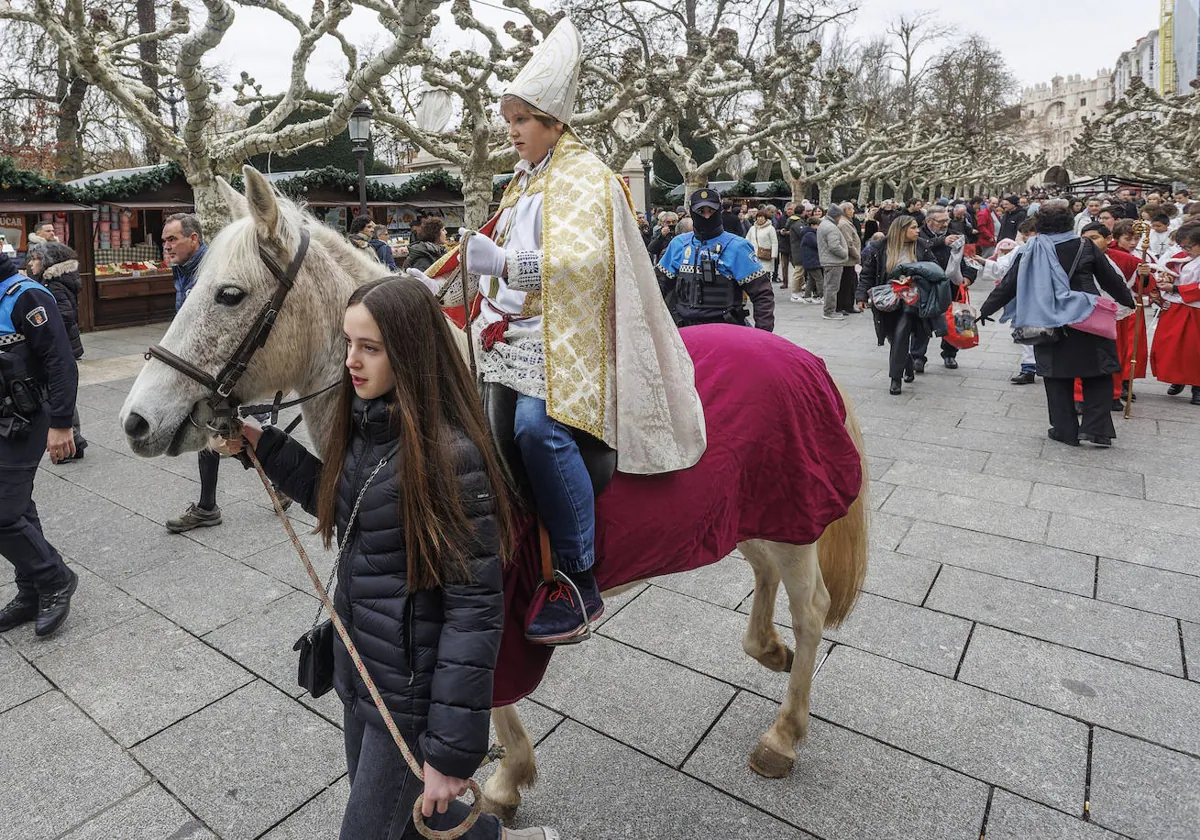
(127, 268)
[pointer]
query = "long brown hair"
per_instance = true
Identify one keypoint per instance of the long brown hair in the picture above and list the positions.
(433, 397)
(897, 248)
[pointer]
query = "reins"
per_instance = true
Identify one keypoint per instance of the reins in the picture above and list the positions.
(493, 754)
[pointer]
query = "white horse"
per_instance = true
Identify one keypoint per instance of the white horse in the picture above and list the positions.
(167, 412)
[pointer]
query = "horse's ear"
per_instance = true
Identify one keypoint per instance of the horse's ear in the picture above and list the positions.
(262, 204)
(238, 206)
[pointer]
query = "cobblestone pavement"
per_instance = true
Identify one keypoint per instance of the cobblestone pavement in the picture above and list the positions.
(1024, 663)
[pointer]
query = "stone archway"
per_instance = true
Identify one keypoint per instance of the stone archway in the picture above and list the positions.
(1056, 176)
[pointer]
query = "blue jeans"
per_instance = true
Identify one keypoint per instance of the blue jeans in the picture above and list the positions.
(562, 488)
(383, 790)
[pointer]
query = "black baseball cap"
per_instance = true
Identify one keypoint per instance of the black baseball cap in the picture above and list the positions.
(706, 197)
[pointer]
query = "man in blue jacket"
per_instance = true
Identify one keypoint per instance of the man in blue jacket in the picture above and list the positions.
(38, 378)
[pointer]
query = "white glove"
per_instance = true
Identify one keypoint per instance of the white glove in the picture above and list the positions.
(429, 283)
(485, 258)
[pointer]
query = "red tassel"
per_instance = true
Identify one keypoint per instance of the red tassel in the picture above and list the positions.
(493, 334)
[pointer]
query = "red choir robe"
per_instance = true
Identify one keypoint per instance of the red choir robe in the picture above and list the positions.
(1126, 264)
(1175, 357)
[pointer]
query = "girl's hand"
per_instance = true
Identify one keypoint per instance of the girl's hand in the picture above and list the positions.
(1165, 284)
(440, 790)
(1143, 269)
(251, 431)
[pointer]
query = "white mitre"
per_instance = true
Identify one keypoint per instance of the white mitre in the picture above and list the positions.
(550, 81)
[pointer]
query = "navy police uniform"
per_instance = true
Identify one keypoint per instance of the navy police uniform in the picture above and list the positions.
(706, 275)
(38, 393)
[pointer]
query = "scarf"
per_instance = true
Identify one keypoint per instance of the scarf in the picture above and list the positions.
(1044, 294)
(709, 228)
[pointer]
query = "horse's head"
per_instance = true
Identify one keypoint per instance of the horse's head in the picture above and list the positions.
(167, 411)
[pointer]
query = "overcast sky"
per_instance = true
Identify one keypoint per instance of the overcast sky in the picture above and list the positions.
(1040, 39)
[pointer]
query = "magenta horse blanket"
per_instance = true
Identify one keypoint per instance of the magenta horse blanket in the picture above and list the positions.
(779, 466)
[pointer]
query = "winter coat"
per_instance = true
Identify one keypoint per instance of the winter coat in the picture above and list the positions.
(185, 275)
(885, 218)
(790, 234)
(1077, 354)
(62, 279)
(853, 243)
(987, 228)
(1010, 222)
(874, 265)
(809, 257)
(764, 236)
(732, 224)
(384, 252)
(431, 653)
(658, 244)
(831, 244)
(421, 255)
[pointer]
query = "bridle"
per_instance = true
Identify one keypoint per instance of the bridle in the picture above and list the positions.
(221, 386)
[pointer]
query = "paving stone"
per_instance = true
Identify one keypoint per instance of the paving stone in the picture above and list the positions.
(900, 577)
(887, 530)
(1054, 568)
(204, 592)
(1014, 818)
(655, 706)
(1066, 475)
(95, 606)
(1174, 491)
(593, 788)
(1191, 649)
(1132, 700)
(1142, 790)
(246, 529)
(119, 549)
(174, 673)
(940, 457)
(908, 634)
(21, 680)
(1001, 741)
(956, 403)
(699, 635)
(57, 769)
(1153, 590)
(844, 785)
(1106, 507)
(880, 490)
(247, 761)
(1151, 460)
(993, 518)
(283, 563)
(1107, 629)
(321, 816)
(150, 814)
(725, 583)
(613, 604)
(973, 440)
(263, 639)
(976, 485)
(1120, 541)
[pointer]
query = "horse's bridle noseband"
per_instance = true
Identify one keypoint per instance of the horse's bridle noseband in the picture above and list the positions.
(221, 386)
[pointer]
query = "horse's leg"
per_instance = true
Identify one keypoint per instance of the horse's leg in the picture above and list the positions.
(809, 602)
(502, 792)
(761, 641)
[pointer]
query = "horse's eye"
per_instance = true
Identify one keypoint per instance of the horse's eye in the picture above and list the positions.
(230, 296)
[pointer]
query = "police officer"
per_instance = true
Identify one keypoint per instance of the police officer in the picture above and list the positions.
(39, 377)
(706, 274)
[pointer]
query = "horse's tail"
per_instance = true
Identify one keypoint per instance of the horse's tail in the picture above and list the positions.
(842, 549)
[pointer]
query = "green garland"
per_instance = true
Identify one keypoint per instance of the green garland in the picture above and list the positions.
(12, 178)
(331, 176)
(118, 188)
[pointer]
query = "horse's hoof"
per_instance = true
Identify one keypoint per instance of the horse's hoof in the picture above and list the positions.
(506, 813)
(791, 659)
(770, 764)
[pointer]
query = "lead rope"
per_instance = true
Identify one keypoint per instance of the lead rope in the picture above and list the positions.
(493, 754)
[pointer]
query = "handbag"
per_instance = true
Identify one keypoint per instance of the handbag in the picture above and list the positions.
(883, 298)
(314, 672)
(764, 253)
(961, 329)
(1102, 321)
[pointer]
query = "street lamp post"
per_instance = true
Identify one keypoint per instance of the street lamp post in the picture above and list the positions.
(646, 153)
(810, 166)
(360, 140)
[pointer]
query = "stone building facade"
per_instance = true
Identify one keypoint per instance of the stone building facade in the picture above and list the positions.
(1052, 114)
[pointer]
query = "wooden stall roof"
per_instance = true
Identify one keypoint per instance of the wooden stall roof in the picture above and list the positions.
(41, 207)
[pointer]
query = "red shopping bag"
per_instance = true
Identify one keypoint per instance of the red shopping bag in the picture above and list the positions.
(961, 330)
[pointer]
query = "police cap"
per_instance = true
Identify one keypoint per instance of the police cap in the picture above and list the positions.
(705, 197)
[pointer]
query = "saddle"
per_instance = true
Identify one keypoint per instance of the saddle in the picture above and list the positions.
(500, 409)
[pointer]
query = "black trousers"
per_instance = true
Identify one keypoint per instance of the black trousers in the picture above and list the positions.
(900, 329)
(1097, 407)
(845, 295)
(383, 790)
(39, 567)
(920, 345)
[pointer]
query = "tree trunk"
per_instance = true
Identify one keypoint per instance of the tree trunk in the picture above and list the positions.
(148, 52)
(477, 196)
(764, 169)
(799, 190)
(210, 204)
(825, 195)
(877, 191)
(72, 89)
(902, 190)
(864, 190)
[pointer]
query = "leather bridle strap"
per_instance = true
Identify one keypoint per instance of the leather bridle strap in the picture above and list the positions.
(222, 385)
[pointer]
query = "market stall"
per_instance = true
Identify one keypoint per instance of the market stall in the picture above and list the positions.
(132, 284)
(28, 200)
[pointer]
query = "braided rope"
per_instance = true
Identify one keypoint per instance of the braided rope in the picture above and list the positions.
(418, 817)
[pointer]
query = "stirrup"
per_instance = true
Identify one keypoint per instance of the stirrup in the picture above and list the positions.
(582, 635)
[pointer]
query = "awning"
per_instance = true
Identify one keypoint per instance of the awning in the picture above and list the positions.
(151, 205)
(40, 207)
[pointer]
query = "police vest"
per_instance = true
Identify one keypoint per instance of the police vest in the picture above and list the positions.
(10, 290)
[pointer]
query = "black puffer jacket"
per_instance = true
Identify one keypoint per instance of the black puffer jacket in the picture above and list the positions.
(421, 255)
(432, 653)
(62, 279)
